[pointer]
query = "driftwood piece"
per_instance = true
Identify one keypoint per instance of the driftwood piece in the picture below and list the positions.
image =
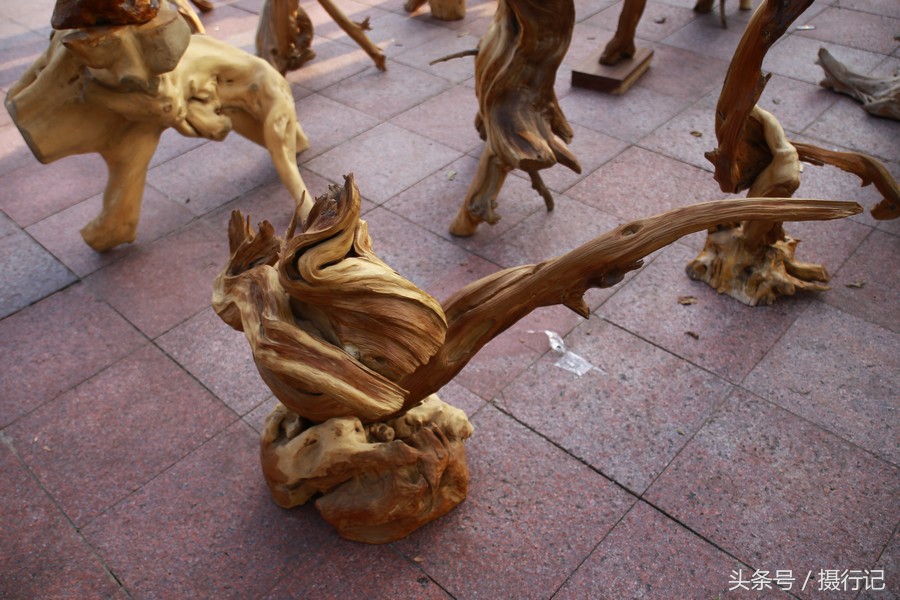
(754, 262)
(354, 352)
(284, 35)
(114, 90)
(519, 117)
(445, 10)
(879, 96)
(74, 14)
(285, 32)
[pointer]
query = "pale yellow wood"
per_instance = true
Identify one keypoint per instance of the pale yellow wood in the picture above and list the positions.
(114, 90)
(354, 352)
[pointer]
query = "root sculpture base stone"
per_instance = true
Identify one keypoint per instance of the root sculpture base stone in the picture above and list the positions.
(375, 483)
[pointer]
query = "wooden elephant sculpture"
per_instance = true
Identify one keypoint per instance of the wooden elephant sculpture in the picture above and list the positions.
(114, 89)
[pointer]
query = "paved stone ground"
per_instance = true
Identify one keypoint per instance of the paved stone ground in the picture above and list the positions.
(766, 440)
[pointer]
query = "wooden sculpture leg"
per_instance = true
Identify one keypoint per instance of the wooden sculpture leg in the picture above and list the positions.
(379, 482)
(445, 10)
(621, 46)
(481, 199)
(127, 164)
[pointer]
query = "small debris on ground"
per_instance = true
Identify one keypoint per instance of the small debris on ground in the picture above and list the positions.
(687, 300)
(693, 334)
(805, 27)
(696, 133)
(858, 285)
(659, 21)
(451, 175)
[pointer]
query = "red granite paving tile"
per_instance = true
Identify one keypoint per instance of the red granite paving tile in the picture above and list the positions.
(171, 280)
(593, 149)
(885, 574)
(232, 25)
(682, 73)
(256, 418)
(838, 372)
(587, 8)
(364, 571)
(873, 267)
(628, 416)
(532, 514)
(55, 344)
(172, 145)
(647, 555)
(41, 555)
(847, 124)
(400, 244)
(795, 104)
(888, 8)
(28, 273)
(385, 160)
(456, 70)
(384, 94)
(628, 117)
(334, 62)
(395, 33)
(324, 25)
(777, 492)
(447, 118)
(104, 439)
(61, 232)
(706, 35)
(271, 202)
(328, 124)
(731, 337)
(455, 278)
(219, 357)
(795, 56)
(207, 527)
(36, 191)
(658, 20)
(433, 203)
(545, 235)
(687, 137)
(24, 48)
(7, 226)
(455, 394)
(238, 164)
(499, 362)
(622, 188)
(14, 152)
(865, 31)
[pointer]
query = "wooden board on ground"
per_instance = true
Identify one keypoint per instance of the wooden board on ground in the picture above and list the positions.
(614, 79)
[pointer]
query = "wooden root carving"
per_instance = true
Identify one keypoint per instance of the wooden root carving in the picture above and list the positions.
(354, 352)
(754, 262)
(284, 35)
(114, 90)
(879, 97)
(518, 114)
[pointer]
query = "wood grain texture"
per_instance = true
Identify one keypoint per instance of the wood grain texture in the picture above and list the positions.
(519, 117)
(880, 96)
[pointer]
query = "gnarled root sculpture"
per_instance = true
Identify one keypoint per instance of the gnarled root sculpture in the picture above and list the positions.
(113, 90)
(354, 352)
(519, 117)
(754, 262)
(285, 33)
(445, 10)
(880, 97)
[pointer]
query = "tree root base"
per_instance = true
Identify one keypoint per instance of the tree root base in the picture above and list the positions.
(754, 276)
(375, 483)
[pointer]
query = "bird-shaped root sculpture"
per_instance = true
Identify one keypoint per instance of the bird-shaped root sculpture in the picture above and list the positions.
(355, 353)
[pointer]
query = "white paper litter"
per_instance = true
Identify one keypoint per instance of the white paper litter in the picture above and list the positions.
(568, 361)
